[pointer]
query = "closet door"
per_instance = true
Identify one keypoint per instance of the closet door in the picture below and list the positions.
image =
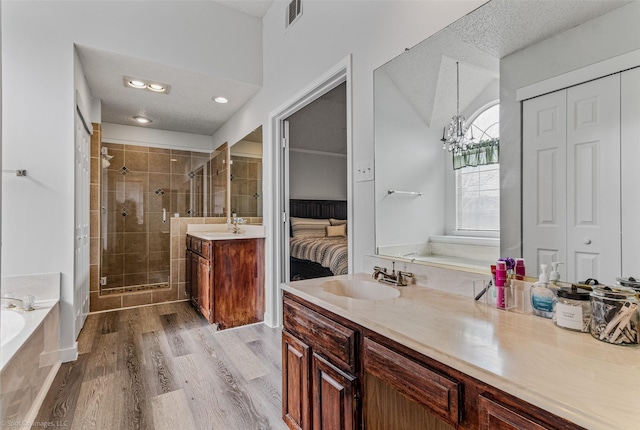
(630, 153)
(544, 134)
(593, 180)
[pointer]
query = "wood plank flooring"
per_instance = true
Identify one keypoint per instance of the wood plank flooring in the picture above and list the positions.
(165, 367)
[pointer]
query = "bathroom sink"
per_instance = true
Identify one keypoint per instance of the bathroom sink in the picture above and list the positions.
(360, 289)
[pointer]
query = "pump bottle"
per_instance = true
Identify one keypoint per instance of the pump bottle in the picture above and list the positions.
(542, 295)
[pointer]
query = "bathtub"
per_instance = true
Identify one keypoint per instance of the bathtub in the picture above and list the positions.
(29, 350)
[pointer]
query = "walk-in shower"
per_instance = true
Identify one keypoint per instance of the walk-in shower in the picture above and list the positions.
(141, 189)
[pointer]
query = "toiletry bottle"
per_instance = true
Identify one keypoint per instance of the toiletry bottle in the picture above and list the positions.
(542, 295)
(519, 269)
(554, 275)
(501, 281)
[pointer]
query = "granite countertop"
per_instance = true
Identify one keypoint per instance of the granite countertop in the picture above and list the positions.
(571, 374)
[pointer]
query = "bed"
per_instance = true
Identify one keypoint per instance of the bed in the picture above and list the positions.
(318, 242)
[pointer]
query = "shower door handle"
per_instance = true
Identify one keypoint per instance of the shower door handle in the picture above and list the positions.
(164, 215)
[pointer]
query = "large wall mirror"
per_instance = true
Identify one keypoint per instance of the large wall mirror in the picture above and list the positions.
(486, 67)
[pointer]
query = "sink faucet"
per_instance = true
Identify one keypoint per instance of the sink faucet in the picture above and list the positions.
(394, 278)
(377, 271)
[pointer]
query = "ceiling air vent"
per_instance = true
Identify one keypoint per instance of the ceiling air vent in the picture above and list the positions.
(293, 12)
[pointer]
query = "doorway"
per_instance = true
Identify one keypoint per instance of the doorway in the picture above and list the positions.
(316, 179)
(277, 184)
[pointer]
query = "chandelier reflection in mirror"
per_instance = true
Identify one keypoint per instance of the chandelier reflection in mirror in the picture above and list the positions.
(454, 137)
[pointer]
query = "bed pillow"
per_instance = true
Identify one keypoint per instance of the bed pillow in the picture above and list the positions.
(334, 221)
(309, 227)
(336, 230)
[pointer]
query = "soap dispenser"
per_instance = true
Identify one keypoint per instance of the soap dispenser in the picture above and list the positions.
(542, 295)
(554, 276)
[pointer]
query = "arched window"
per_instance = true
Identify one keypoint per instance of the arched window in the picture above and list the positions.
(478, 187)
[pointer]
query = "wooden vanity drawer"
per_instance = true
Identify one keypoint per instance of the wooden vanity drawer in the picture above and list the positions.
(439, 394)
(326, 337)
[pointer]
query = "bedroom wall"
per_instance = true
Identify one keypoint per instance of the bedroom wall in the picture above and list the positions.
(317, 176)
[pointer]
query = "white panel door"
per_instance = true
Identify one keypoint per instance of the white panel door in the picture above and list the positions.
(81, 223)
(544, 180)
(630, 170)
(593, 181)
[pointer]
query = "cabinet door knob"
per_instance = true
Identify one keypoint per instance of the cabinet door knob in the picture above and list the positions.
(587, 241)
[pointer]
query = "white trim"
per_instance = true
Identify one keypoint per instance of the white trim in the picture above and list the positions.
(593, 71)
(311, 151)
(273, 197)
(69, 354)
(466, 240)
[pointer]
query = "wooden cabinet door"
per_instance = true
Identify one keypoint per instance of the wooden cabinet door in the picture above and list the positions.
(205, 289)
(238, 281)
(334, 397)
(496, 416)
(296, 395)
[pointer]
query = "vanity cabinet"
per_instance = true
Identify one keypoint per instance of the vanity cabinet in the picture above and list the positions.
(330, 363)
(225, 280)
(320, 383)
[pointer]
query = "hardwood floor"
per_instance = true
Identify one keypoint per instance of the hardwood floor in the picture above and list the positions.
(165, 367)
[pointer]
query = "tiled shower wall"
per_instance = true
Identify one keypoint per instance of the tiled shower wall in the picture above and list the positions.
(246, 186)
(136, 186)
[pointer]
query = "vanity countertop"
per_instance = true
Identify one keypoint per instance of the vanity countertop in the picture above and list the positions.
(219, 232)
(591, 383)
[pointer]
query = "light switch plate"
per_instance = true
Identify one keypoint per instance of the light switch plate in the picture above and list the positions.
(364, 171)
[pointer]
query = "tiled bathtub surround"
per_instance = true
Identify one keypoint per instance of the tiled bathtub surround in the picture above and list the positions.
(31, 358)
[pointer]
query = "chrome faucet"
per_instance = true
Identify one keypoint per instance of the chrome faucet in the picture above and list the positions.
(377, 271)
(395, 278)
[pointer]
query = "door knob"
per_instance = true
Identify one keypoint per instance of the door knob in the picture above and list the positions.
(587, 241)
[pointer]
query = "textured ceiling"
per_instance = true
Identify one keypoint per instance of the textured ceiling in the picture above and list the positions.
(425, 74)
(188, 107)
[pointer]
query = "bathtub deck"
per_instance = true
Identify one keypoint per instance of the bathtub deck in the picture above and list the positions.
(164, 367)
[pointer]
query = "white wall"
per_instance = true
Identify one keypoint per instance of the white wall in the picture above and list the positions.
(131, 135)
(317, 176)
(605, 37)
(409, 157)
(373, 32)
(38, 99)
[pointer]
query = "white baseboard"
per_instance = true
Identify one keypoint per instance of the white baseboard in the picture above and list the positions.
(69, 354)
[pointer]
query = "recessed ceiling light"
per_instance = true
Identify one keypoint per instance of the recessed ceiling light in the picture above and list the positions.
(156, 87)
(136, 83)
(142, 120)
(220, 100)
(143, 84)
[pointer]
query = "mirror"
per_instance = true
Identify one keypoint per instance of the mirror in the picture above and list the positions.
(501, 47)
(246, 176)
